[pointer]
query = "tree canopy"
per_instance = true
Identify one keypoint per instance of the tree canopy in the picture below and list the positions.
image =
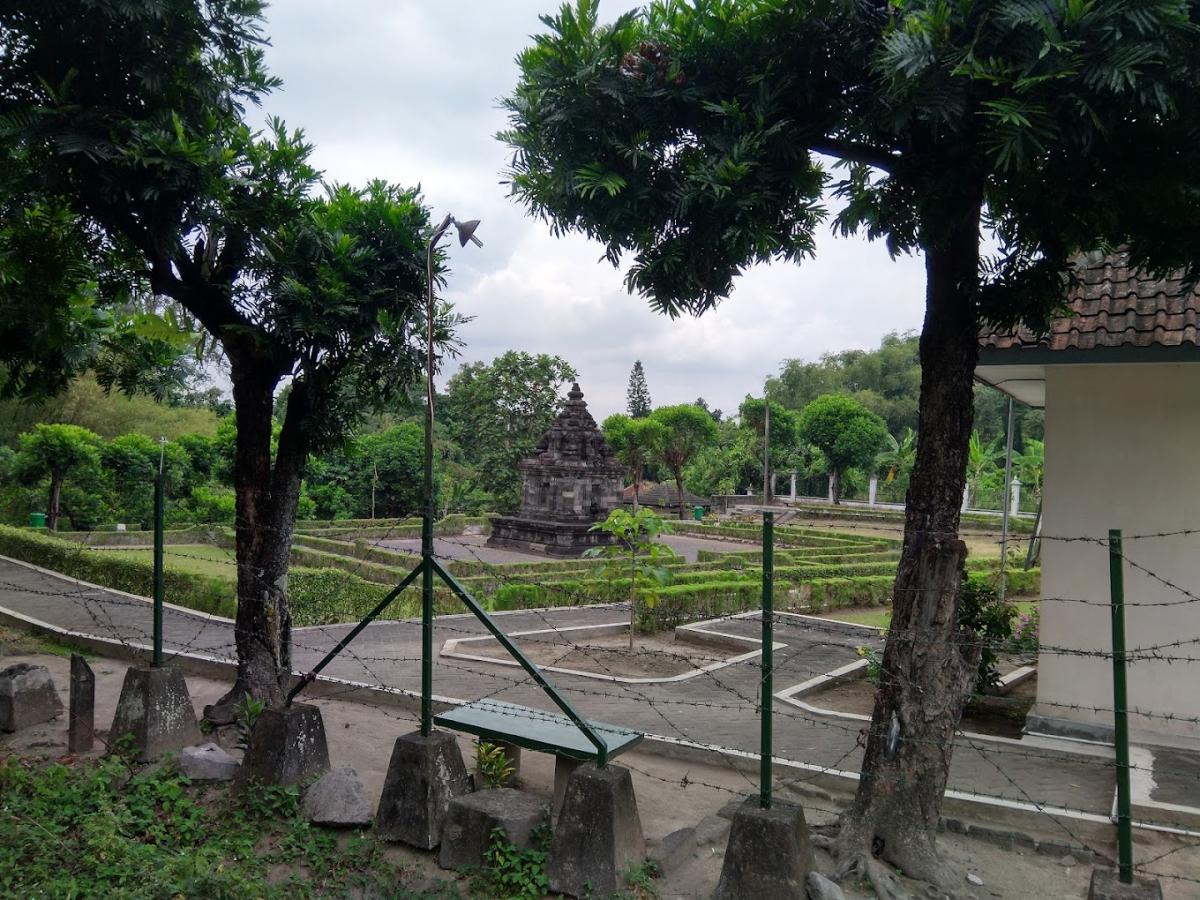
(686, 430)
(498, 411)
(846, 433)
(637, 396)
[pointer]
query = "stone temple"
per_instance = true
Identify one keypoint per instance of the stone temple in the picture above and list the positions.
(572, 481)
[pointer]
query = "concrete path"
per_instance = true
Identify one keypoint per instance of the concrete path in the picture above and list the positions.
(716, 708)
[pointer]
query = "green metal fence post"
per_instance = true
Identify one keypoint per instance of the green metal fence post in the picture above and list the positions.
(158, 569)
(1120, 708)
(768, 659)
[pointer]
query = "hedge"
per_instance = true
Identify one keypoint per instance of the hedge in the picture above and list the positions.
(220, 535)
(204, 593)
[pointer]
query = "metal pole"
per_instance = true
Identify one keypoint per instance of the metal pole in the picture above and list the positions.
(1004, 502)
(427, 518)
(158, 567)
(1120, 708)
(768, 660)
(766, 449)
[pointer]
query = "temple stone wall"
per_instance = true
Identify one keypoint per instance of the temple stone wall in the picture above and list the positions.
(572, 481)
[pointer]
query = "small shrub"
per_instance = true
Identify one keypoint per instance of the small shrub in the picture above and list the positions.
(515, 874)
(493, 764)
(874, 663)
(1025, 636)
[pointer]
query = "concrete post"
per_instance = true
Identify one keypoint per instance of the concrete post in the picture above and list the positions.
(1014, 502)
(966, 496)
(830, 495)
(793, 492)
(872, 489)
(81, 729)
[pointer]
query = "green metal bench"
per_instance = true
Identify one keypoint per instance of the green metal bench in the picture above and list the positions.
(535, 729)
(515, 727)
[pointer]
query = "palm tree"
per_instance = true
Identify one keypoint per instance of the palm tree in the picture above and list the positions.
(981, 460)
(897, 457)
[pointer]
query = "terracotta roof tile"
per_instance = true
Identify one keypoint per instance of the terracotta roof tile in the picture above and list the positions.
(1113, 306)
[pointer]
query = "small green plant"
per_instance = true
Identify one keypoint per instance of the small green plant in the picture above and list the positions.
(874, 662)
(1025, 636)
(639, 881)
(637, 555)
(493, 764)
(515, 874)
(248, 710)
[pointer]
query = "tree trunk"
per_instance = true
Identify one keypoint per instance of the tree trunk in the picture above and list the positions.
(678, 473)
(266, 499)
(929, 662)
(52, 512)
(835, 486)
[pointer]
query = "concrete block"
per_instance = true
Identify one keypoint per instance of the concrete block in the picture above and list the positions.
(338, 800)
(81, 727)
(207, 762)
(156, 710)
(769, 855)
(599, 833)
(1106, 885)
(27, 697)
(471, 819)
(424, 775)
(287, 746)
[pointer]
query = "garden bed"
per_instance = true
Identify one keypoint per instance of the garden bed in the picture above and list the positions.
(602, 652)
(999, 716)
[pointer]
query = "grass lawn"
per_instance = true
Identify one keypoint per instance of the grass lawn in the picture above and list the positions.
(881, 616)
(199, 559)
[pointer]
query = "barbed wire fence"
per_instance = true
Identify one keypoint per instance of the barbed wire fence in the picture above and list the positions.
(720, 701)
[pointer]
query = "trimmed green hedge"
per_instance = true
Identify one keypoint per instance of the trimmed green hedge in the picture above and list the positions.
(220, 535)
(200, 592)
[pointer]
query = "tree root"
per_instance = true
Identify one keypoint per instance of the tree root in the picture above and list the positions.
(883, 880)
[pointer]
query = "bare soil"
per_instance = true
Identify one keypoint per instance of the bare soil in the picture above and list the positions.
(1002, 716)
(652, 656)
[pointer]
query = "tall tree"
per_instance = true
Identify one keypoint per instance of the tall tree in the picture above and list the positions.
(752, 415)
(498, 412)
(691, 138)
(634, 441)
(847, 433)
(637, 397)
(686, 430)
(56, 452)
(130, 117)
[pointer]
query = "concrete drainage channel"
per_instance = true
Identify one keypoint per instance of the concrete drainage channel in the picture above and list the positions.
(1006, 823)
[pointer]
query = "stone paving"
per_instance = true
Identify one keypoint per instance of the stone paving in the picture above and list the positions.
(717, 708)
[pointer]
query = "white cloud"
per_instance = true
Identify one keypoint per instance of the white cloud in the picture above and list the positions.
(407, 91)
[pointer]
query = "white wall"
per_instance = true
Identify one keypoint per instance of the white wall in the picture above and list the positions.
(1122, 451)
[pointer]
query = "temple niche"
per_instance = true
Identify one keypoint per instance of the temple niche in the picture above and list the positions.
(572, 481)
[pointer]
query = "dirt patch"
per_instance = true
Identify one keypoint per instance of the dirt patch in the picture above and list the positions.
(1001, 716)
(651, 657)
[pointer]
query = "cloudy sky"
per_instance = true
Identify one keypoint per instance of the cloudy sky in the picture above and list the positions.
(407, 90)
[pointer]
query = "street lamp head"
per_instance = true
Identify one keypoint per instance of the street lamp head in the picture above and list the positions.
(466, 232)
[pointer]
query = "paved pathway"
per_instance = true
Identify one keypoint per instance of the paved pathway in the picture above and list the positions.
(715, 708)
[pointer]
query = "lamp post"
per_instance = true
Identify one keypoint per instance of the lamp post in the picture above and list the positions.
(466, 232)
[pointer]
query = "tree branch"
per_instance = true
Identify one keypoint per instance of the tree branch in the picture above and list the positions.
(854, 152)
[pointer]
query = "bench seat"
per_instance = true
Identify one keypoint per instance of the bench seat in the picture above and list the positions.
(534, 729)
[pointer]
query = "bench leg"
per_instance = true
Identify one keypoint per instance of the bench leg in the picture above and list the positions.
(563, 767)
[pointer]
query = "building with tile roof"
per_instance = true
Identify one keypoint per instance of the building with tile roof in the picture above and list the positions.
(1118, 375)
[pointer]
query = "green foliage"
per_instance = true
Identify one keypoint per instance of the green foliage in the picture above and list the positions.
(103, 830)
(847, 434)
(640, 881)
(493, 764)
(981, 610)
(499, 411)
(515, 874)
(637, 397)
(248, 709)
(874, 662)
(686, 431)
(1026, 632)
